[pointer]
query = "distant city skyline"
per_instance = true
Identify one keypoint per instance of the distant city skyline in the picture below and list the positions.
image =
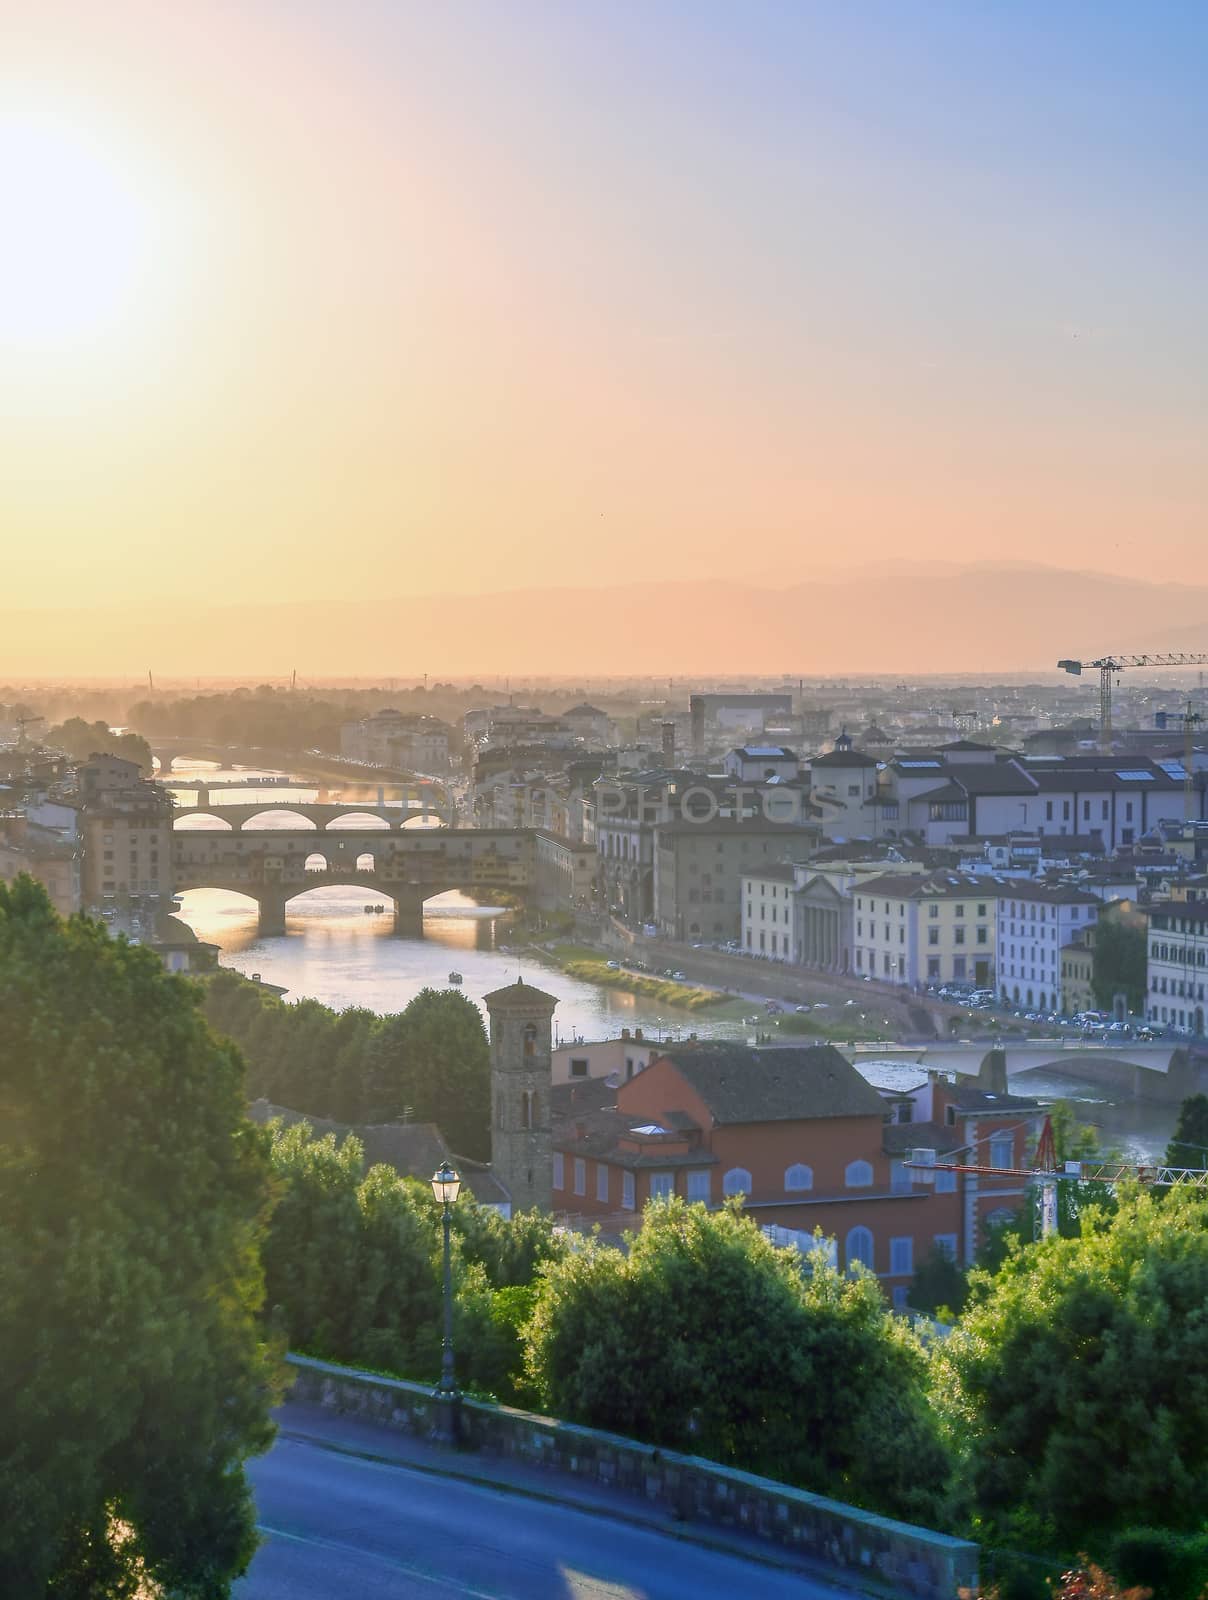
(306, 303)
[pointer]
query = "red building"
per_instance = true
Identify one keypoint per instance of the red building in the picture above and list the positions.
(809, 1142)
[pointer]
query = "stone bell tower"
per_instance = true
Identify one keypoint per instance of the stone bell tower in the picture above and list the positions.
(521, 1073)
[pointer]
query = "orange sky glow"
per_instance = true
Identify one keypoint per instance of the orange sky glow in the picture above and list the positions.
(314, 302)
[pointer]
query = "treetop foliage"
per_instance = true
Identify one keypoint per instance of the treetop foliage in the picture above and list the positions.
(134, 1378)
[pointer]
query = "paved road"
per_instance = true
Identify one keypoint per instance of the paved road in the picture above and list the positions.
(337, 1526)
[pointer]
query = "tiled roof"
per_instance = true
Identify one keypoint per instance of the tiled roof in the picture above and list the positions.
(741, 1084)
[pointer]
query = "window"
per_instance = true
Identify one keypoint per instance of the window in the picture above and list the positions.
(933, 966)
(580, 1175)
(959, 935)
(945, 1245)
(662, 1184)
(601, 1183)
(899, 1177)
(736, 1181)
(578, 1066)
(945, 1183)
(981, 910)
(901, 1257)
(858, 1175)
(933, 910)
(860, 1248)
(958, 966)
(627, 1197)
(798, 1177)
(960, 911)
(699, 1186)
(559, 1170)
(900, 1302)
(530, 1040)
(982, 935)
(1002, 1152)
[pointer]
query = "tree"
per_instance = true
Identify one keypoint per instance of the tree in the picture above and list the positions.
(706, 1338)
(938, 1285)
(134, 1379)
(82, 739)
(1119, 963)
(1090, 1349)
(434, 1058)
(1188, 1146)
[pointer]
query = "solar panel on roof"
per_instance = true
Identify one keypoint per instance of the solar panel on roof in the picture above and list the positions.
(920, 764)
(1135, 777)
(1173, 769)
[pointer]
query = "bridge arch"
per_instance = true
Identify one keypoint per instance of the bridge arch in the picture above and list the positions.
(199, 821)
(260, 821)
(316, 861)
(357, 819)
(367, 862)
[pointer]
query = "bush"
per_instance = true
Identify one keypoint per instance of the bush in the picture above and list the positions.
(1173, 1565)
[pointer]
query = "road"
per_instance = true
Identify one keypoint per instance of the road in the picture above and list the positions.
(337, 1525)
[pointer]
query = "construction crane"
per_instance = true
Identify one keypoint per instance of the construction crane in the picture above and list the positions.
(1045, 1172)
(1109, 666)
(1190, 720)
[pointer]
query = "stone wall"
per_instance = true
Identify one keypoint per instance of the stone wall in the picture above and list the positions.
(895, 1557)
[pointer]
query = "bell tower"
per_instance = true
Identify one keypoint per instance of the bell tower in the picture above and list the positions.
(521, 1076)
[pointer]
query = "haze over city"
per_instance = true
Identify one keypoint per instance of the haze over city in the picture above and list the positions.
(342, 306)
(603, 799)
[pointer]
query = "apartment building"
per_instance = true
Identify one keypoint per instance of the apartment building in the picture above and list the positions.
(126, 825)
(935, 927)
(808, 1142)
(407, 741)
(1037, 922)
(699, 868)
(1178, 963)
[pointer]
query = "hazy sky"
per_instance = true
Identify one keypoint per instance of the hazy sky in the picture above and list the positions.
(319, 299)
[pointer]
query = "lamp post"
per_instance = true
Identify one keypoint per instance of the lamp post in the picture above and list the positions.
(446, 1185)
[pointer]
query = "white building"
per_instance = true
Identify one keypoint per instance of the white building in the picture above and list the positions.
(1035, 921)
(761, 763)
(603, 1058)
(1178, 963)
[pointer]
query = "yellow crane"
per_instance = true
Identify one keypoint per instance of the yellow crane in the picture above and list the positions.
(1109, 666)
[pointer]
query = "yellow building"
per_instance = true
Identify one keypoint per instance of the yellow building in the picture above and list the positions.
(937, 928)
(1077, 971)
(127, 831)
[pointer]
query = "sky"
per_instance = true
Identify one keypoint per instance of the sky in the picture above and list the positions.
(335, 300)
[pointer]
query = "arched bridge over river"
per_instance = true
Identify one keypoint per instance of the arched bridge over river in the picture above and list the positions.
(404, 865)
(1158, 1072)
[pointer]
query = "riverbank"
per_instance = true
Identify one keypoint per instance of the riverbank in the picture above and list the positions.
(589, 966)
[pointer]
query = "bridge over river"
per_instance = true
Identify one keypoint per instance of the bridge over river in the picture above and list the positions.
(387, 859)
(1157, 1072)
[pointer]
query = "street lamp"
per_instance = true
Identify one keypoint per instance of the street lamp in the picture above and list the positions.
(446, 1186)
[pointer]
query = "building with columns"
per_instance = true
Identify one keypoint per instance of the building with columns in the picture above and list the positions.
(521, 1073)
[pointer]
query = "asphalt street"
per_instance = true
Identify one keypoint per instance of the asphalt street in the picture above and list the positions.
(337, 1526)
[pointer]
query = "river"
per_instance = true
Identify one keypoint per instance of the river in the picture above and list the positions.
(334, 952)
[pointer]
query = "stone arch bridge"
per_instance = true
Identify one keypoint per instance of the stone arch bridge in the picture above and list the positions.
(1156, 1072)
(405, 865)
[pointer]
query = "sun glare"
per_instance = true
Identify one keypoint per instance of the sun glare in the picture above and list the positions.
(77, 234)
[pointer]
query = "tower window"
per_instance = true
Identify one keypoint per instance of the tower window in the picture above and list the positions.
(530, 1040)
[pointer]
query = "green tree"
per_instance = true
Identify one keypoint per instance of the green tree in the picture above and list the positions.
(1188, 1146)
(1119, 963)
(433, 1057)
(82, 739)
(705, 1337)
(1087, 1350)
(938, 1285)
(133, 1377)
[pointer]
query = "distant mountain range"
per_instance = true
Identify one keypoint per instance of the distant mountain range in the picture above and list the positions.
(907, 619)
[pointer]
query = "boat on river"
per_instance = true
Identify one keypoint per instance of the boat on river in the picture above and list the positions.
(455, 977)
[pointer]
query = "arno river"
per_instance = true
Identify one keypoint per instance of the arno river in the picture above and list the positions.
(335, 952)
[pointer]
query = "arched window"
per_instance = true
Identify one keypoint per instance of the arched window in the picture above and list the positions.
(527, 1108)
(736, 1181)
(798, 1177)
(997, 1218)
(858, 1176)
(530, 1040)
(859, 1248)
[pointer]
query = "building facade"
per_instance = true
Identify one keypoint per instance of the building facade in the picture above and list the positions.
(1036, 923)
(1177, 969)
(808, 1143)
(936, 927)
